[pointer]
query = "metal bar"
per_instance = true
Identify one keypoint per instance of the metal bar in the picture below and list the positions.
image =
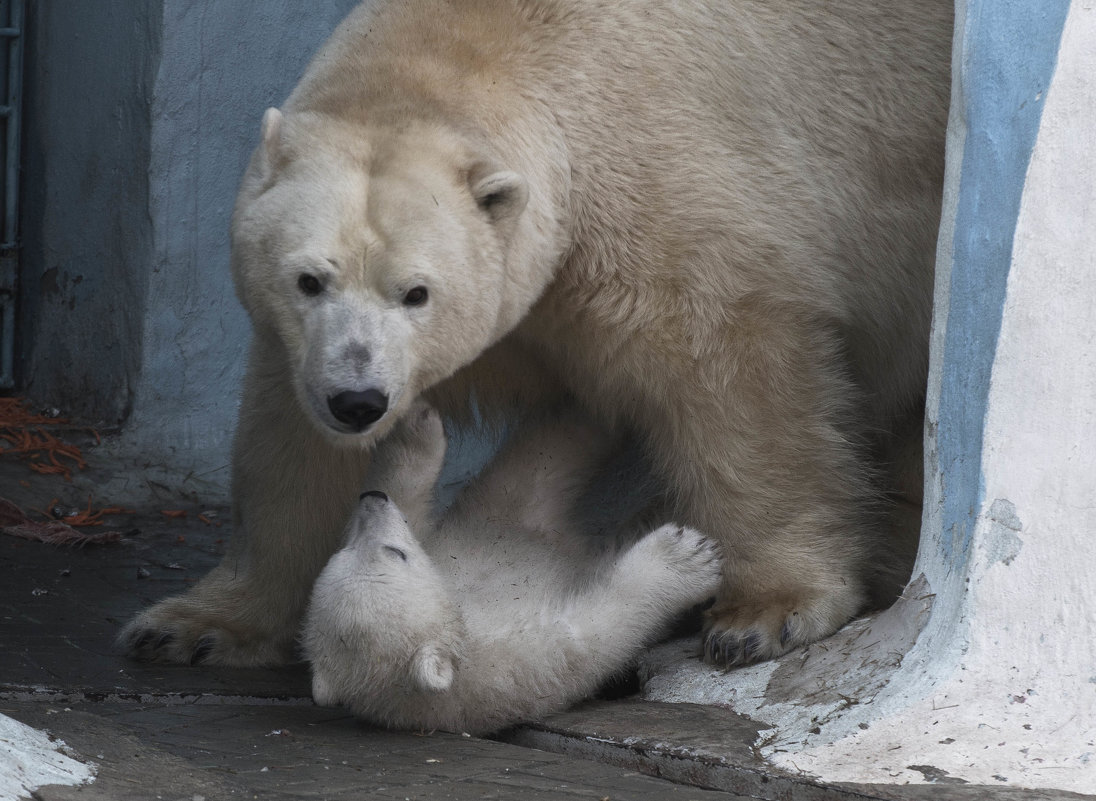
(11, 115)
(7, 323)
(15, 103)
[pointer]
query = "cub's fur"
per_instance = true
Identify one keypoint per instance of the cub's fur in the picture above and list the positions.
(499, 614)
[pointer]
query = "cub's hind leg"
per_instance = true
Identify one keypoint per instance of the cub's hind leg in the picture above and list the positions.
(664, 574)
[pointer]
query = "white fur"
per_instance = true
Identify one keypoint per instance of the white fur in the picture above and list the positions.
(483, 621)
(712, 224)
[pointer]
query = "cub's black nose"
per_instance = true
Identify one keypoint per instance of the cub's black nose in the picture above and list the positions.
(373, 494)
(358, 409)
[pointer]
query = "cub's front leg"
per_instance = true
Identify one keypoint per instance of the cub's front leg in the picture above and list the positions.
(293, 490)
(407, 463)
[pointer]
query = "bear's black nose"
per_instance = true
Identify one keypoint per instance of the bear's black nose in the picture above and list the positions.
(373, 494)
(358, 409)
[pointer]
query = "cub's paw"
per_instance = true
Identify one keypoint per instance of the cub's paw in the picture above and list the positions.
(407, 462)
(767, 625)
(183, 631)
(421, 429)
(694, 561)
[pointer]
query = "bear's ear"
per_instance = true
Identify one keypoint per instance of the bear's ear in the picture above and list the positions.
(272, 130)
(270, 147)
(501, 193)
(432, 668)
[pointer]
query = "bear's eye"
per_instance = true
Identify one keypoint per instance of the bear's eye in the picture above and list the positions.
(309, 284)
(396, 551)
(489, 201)
(416, 296)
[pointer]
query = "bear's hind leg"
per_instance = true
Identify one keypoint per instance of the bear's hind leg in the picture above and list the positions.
(798, 547)
(764, 457)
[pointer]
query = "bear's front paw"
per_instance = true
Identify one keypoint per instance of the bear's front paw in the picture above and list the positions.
(766, 625)
(184, 631)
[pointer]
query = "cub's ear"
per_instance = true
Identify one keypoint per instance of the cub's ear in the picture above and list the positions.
(501, 193)
(432, 668)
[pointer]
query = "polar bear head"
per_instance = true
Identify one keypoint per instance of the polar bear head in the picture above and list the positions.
(378, 260)
(381, 625)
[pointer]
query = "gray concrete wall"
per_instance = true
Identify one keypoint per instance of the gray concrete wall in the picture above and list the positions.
(87, 235)
(141, 118)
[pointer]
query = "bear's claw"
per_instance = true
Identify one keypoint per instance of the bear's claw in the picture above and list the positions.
(166, 633)
(210, 647)
(731, 650)
(149, 644)
(142, 644)
(204, 648)
(771, 624)
(166, 638)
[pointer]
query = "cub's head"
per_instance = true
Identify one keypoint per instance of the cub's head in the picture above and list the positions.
(376, 259)
(380, 626)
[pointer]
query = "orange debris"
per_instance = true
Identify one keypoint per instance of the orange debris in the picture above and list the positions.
(90, 518)
(23, 431)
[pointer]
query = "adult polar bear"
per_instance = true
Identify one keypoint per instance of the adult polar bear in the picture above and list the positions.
(710, 223)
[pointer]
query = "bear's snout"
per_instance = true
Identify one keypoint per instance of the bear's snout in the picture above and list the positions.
(358, 409)
(373, 494)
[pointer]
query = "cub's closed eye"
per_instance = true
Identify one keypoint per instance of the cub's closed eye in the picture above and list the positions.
(309, 284)
(416, 296)
(396, 551)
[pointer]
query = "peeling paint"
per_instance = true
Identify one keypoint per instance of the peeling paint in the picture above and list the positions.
(1003, 542)
(852, 666)
(936, 775)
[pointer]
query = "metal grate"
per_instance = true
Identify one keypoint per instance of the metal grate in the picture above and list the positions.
(12, 15)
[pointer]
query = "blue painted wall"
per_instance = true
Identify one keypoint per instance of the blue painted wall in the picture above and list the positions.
(1005, 54)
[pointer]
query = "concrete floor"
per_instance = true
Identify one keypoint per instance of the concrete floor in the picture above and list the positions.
(205, 733)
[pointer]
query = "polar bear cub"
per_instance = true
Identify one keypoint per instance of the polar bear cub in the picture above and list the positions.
(501, 612)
